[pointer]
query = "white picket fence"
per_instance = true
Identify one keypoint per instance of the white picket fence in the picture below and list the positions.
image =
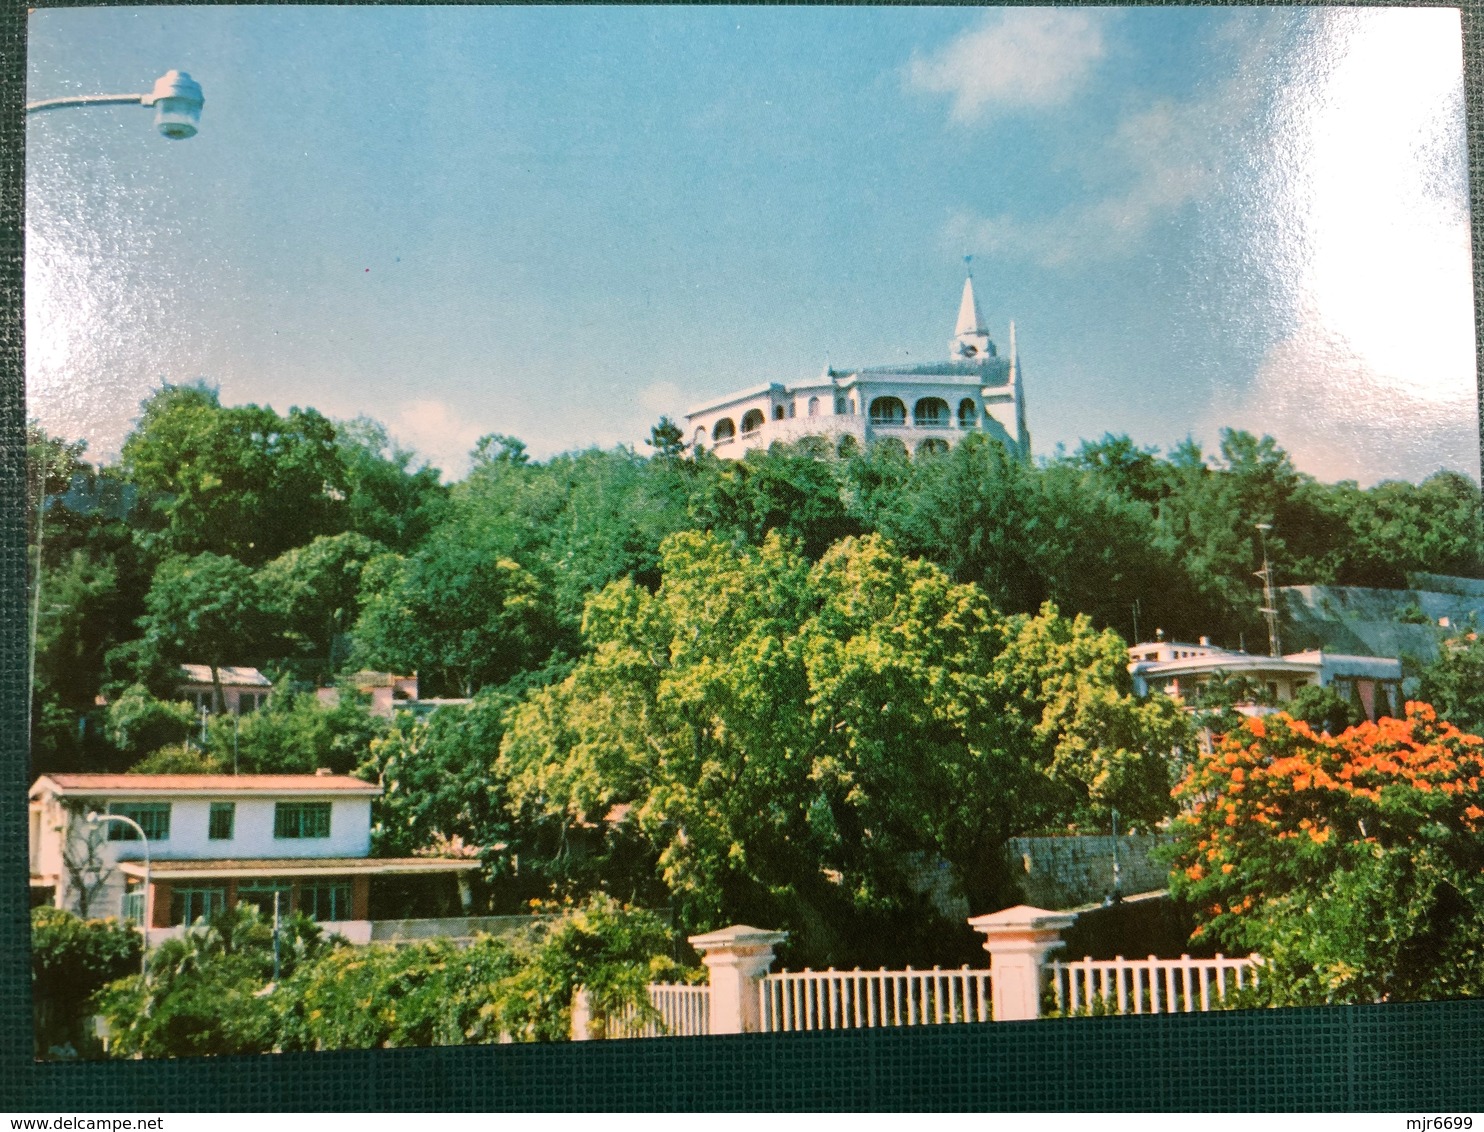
(838, 1000)
(684, 1012)
(1148, 986)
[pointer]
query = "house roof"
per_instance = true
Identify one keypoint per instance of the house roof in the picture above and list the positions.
(267, 867)
(231, 676)
(139, 785)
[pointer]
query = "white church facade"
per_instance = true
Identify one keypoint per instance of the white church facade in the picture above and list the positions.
(923, 408)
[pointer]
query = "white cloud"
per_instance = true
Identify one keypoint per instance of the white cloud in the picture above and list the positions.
(661, 398)
(436, 431)
(1015, 58)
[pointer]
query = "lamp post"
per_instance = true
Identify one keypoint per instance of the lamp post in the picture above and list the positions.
(95, 816)
(176, 98)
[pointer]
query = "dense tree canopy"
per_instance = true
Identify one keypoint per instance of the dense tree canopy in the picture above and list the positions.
(805, 744)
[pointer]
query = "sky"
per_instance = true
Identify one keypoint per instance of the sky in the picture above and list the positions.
(560, 223)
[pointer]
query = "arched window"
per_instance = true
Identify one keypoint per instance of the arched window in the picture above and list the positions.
(968, 413)
(931, 412)
(700, 437)
(793, 409)
(814, 406)
(891, 446)
(849, 446)
(777, 412)
(752, 420)
(724, 430)
(888, 411)
(932, 447)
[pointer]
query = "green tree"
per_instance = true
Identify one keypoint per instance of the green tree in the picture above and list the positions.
(1323, 710)
(457, 612)
(390, 499)
(667, 440)
(438, 778)
(316, 589)
(71, 960)
(137, 723)
(208, 609)
(788, 489)
(240, 481)
(803, 745)
(295, 733)
(1454, 682)
(182, 759)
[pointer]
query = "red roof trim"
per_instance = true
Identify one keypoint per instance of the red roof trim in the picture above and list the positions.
(209, 783)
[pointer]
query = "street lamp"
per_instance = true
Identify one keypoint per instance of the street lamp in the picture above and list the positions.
(95, 816)
(176, 98)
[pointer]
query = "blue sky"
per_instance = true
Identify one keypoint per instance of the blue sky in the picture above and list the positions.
(561, 222)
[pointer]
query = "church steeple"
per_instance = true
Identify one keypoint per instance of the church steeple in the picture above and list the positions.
(970, 338)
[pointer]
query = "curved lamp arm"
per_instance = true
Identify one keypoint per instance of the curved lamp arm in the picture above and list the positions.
(176, 98)
(95, 816)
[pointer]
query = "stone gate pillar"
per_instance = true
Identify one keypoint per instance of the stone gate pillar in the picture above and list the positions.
(1018, 940)
(737, 957)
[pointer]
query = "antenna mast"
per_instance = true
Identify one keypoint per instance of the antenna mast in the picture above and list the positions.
(1269, 607)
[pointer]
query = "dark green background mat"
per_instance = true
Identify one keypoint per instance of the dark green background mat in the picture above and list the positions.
(1421, 1058)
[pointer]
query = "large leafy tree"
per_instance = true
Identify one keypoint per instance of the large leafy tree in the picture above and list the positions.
(457, 612)
(240, 481)
(296, 733)
(316, 589)
(390, 497)
(207, 609)
(811, 746)
(437, 775)
(1454, 682)
(1354, 864)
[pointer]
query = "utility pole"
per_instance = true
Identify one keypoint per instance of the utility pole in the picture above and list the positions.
(1269, 607)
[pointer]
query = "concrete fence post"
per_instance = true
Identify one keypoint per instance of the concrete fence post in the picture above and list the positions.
(1018, 940)
(738, 957)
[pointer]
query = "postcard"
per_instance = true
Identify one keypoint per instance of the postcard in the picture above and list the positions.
(582, 523)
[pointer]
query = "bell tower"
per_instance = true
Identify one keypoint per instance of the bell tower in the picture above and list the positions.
(970, 341)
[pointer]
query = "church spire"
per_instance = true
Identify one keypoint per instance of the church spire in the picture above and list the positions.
(970, 338)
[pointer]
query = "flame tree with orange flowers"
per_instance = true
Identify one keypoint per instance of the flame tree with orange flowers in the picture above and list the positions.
(1353, 864)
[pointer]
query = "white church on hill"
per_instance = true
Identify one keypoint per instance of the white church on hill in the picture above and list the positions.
(922, 408)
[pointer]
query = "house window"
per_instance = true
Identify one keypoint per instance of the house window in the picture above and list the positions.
(223, 818)
(814, 406)
(250, 701)
(325, 900)
(187, 905)
(261, 895)
(153, 818)
(752, 420)
(301, 819)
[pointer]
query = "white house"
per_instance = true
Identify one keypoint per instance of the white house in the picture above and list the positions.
(243, 689)
(1180, 669)
(300, 840)
(922, 408)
